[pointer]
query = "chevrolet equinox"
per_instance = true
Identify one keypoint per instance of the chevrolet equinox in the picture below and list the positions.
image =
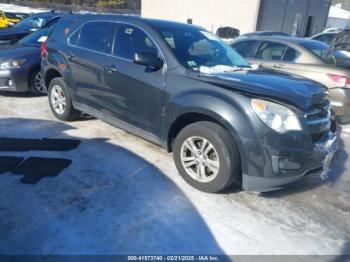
(181, 87)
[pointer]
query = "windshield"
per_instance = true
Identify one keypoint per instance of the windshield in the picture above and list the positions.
(195, 49)
(36, 38)
(11, 15)
(321, 50)
(31, 23)
(318, 48)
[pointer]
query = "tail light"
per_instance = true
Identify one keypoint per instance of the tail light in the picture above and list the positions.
(43, 48)
(340, 81)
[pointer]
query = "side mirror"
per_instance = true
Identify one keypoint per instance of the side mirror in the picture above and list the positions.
(332, 60)
(149, 60)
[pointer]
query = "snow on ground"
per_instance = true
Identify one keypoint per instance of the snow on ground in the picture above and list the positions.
(338, 12)
(123, 195)
(19, 9)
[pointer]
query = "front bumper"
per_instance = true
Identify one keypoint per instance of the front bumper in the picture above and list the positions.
(292, 165)
(14, 80)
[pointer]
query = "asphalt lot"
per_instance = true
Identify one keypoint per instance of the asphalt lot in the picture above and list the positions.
(123, 195)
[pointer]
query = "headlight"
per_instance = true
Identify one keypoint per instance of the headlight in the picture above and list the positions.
(11, 23)
(277, 117)
(11, 64)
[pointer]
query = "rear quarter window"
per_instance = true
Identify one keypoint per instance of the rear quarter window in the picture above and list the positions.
(61, 30)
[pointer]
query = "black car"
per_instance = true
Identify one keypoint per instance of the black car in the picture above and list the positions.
(181, 87)
(20, 64)
(25, 27)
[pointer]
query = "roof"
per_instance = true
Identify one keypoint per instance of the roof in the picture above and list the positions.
(133, 18)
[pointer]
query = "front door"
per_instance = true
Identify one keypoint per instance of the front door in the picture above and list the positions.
(136, 91)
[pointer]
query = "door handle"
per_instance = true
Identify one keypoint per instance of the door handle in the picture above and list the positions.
(111, 69)
(279, 66)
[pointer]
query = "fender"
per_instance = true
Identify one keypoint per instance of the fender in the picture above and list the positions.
(229, 113)
(59, 64)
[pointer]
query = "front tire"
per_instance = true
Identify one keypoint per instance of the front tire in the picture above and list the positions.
(207, 157)
(60, 100)
(36, 84)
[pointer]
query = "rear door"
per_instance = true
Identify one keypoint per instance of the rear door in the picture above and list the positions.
(89, 52)
(136, 91)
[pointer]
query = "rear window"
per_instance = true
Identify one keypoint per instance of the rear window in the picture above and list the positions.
(271, 51)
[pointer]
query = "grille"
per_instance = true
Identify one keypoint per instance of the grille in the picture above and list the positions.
(319, 118)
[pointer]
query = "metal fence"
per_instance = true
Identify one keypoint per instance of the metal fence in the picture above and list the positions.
(73, 8)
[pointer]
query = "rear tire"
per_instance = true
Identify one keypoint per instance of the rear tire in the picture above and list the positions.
(207, 157)
(60, 100)
(36, 84)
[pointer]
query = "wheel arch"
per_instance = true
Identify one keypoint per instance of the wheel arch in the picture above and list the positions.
(51, 74)
(191, 117)
(31, 72)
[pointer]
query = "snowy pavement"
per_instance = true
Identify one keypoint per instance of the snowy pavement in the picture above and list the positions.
(123, 195)
(19, 9)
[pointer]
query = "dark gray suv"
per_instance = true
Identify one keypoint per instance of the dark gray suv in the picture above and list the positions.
(181, 87)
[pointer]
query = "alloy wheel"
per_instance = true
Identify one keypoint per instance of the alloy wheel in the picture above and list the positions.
(39, 84)
(58, 99)
(200, 159)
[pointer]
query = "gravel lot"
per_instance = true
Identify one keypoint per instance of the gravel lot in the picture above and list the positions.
(123, 195)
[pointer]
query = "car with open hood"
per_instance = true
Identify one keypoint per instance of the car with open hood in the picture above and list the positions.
(25, 27)
(181, 87)
(8, 19)
(307, 58)
(20, 63)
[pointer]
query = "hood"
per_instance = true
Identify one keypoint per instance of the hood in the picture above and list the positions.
(11, 31)
(17, 51)
(12, 34)
(270, 84)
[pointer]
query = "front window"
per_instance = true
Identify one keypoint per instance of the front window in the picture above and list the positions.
(196, 48)
(33, 23)
(131, 40)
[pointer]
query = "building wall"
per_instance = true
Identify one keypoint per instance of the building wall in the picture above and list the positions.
(241, 14)
(292, 16)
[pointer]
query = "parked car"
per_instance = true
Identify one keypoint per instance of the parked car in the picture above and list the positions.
(183, 88)
(22, 15)
(8, 19)
(303, 57)
(27, 26)
(341, 42)
(326, 37)
(20, 65)
(263, 33)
